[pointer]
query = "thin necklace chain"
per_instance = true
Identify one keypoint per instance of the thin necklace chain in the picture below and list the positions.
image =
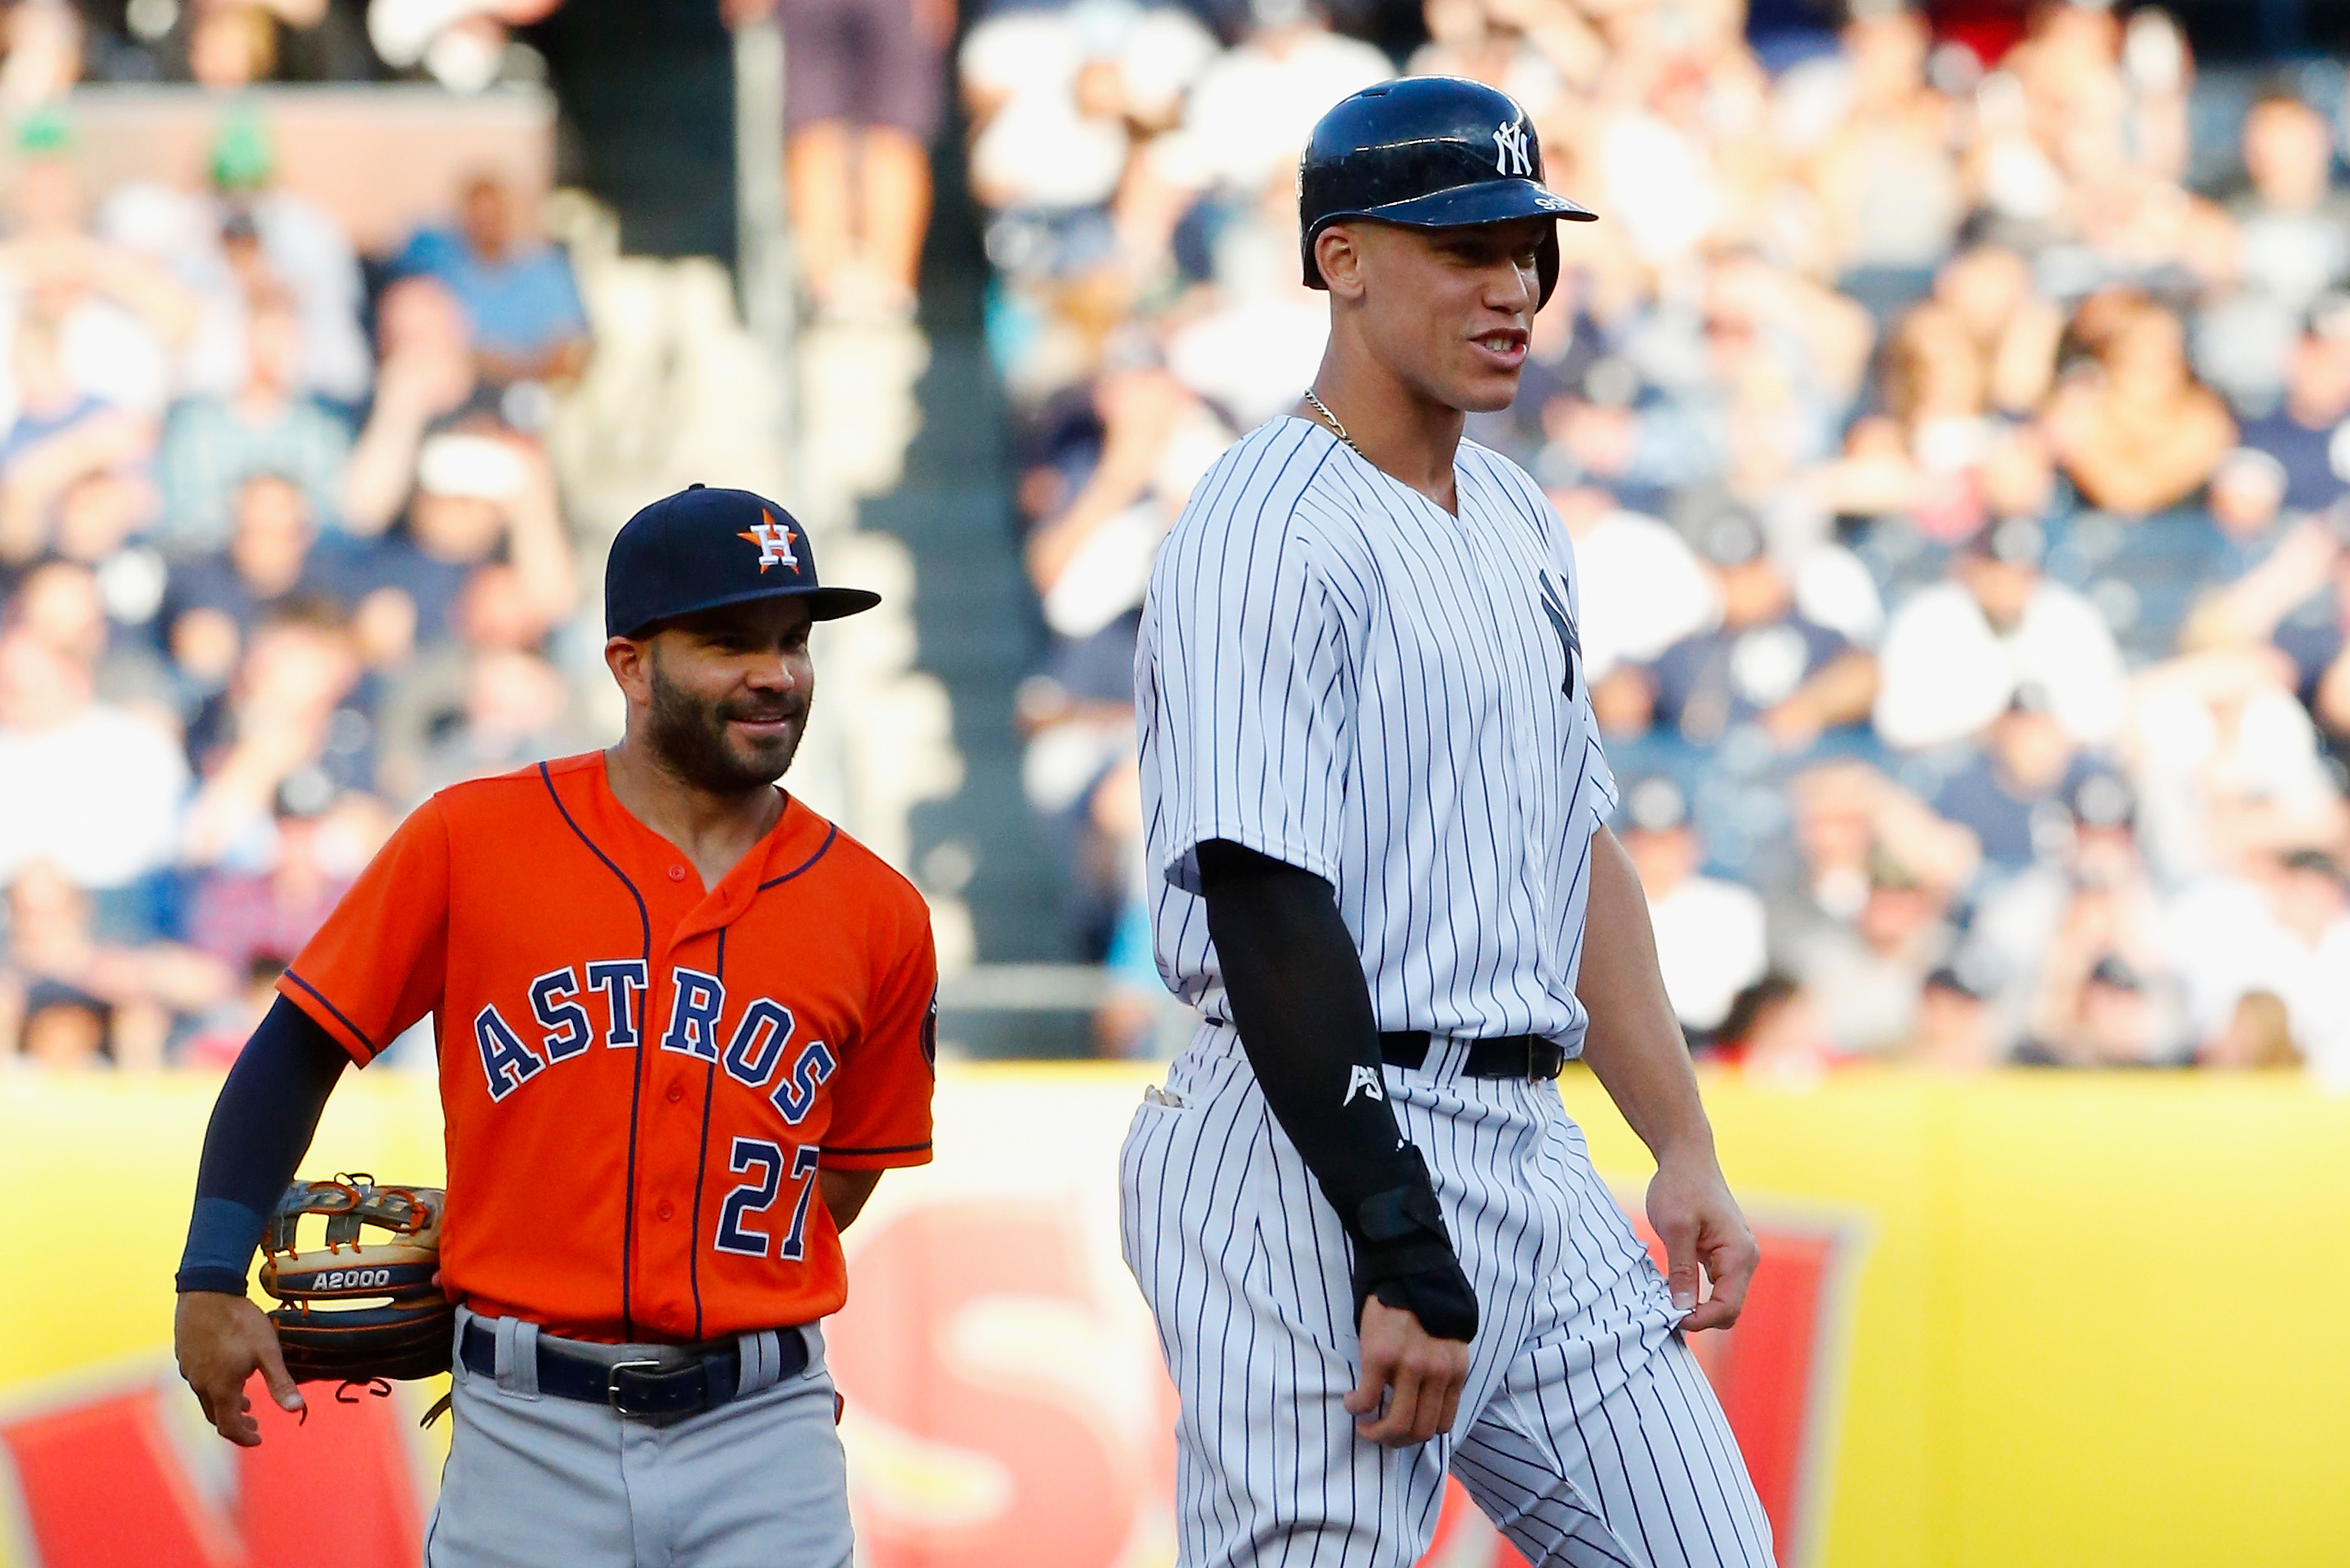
(1336, 428)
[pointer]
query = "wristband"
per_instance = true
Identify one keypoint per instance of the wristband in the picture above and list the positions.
(221, 1237)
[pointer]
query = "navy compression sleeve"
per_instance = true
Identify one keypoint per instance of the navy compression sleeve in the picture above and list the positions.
(1304, 1013)
(261, 1127)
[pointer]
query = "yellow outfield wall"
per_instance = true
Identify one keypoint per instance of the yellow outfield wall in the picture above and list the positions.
(2020, 1321)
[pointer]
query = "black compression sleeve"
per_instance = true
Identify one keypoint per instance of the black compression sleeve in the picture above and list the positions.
(262, 1125)
(1304, 1013)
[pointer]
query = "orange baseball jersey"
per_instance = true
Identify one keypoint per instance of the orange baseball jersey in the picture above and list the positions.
(640, 1077)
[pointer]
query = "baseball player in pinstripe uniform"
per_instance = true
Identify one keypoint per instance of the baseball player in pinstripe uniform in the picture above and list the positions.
(1376, 800)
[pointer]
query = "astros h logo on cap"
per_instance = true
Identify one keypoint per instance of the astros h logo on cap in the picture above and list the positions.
(774, 542)
(683, 553)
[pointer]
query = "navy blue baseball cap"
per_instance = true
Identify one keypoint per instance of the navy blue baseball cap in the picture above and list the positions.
(702, 548)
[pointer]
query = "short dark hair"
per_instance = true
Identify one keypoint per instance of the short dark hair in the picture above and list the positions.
(1749, 1007)
(315, 612)
(2280, 93)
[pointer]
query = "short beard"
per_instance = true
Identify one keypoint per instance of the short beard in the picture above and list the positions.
(690, 740)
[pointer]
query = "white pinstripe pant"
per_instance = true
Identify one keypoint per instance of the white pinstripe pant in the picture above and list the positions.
(1586, 1432)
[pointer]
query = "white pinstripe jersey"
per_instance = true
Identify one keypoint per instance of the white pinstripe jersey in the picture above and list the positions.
(1336, 673)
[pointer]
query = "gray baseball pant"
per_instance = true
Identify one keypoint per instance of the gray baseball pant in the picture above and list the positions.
(536, 1482)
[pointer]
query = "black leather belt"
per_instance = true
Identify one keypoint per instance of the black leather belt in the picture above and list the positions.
(705, 1381)
(1527, 1056)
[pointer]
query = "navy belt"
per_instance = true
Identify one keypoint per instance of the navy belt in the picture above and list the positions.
(1528, 1057)
(704, 1382)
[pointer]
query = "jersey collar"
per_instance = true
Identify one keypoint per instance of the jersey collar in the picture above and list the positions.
(798, 836)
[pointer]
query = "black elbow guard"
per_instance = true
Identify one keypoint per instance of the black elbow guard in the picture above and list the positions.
(1404, 1256)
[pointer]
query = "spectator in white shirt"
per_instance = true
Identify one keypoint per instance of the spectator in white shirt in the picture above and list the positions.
(1955, 653)
(92, 788)
(1091, 561)
(2225, 758)
(1659, 592)
(1047, 133)
(1709, 937)
(2284, 930)
(1051, 93)
(1253, 109)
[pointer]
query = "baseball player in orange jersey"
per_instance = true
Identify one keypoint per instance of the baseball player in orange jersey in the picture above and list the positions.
(684, 1024)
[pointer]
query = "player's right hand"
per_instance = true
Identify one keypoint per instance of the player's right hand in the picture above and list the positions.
(222, 1340)
(1410, 1388)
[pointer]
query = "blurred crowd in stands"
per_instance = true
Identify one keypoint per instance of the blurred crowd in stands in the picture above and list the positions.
(462, 45)
(1953, 430)
(280, 553)
(1954, 426)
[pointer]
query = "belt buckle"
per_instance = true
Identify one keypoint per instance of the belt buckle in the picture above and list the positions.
(1543, 1059)
(612, 1384)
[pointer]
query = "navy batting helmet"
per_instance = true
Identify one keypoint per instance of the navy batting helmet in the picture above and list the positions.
(1434, 152)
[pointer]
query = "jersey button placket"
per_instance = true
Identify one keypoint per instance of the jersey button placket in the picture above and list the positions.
(662, 1267)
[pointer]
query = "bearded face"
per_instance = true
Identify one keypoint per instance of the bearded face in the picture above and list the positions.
(730, 695)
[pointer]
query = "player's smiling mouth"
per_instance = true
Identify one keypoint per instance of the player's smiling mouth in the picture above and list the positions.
(1507, 343)
(767, 722)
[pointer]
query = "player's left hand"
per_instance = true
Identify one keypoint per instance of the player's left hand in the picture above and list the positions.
(1701, 1225)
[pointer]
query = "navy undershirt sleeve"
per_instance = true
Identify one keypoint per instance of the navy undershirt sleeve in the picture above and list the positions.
(262, 1125)
(1304, 1013)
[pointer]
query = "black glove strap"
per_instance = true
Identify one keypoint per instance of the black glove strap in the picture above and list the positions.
(1404, 1256)
(1402, 1211)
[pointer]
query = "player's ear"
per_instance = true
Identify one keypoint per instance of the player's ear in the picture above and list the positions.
(629, 660)
(1338, 252)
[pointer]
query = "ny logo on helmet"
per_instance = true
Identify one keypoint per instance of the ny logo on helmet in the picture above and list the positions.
(1512, 156)
(774, 542)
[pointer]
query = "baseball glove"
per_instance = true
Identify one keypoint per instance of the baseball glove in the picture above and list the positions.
(359, 1310)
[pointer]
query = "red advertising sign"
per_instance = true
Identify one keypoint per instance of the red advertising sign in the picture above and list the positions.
(113, 1477)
